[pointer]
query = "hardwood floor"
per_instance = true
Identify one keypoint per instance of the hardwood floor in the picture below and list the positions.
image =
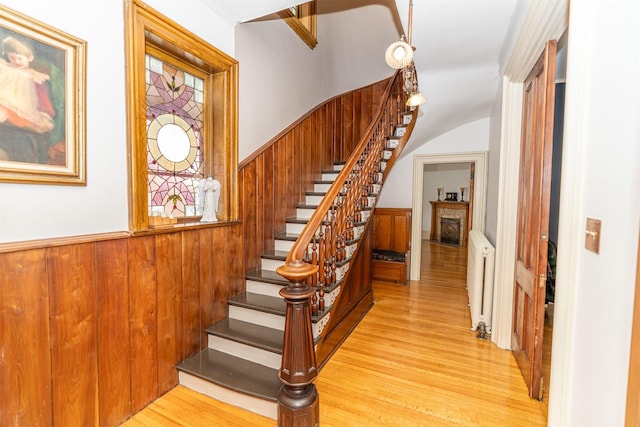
(413, 361)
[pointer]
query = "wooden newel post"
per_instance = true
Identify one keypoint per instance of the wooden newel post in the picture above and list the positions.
(298, 398)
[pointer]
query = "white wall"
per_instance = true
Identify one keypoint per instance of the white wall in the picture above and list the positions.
(450, 176)
(493, 172)
(276, 65)
(471, 137)
(600, 176)
(44, 211)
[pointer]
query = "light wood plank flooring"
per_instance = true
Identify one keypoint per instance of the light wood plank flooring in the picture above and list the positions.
(412, 361)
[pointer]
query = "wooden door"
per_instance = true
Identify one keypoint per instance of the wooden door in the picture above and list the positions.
(533, 218)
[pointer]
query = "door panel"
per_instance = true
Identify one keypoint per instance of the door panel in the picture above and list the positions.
(534, 190)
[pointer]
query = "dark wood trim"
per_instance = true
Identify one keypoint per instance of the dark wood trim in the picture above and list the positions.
(60, 241)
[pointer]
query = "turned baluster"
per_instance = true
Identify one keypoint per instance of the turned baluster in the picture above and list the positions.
(314, 278)
(321, 268)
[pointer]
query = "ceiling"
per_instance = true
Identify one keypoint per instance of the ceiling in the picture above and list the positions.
(458, 47)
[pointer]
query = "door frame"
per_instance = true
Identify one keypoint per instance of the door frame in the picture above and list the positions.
(542, 21)
(531, 37)
(479, 158)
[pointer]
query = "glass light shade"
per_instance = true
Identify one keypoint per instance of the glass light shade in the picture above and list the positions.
(415, 99)
(399, 54)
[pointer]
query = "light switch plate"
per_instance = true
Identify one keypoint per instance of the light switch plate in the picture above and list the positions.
(592, 235)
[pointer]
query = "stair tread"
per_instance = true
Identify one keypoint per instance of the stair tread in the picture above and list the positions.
(248, 333)
(297, 220)
(267, 276)
(264, 303)
(273, 254)
(234, 373)
(286, 236)
(315, 193)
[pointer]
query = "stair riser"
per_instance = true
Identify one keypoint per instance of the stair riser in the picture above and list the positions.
(328, 176)
(263, 288)
(350, 250)
(283, 245)
(313, 200)
(341, 272)
(294, 228)
(244, 351)
(249, 403)
(270, 264)
(286, 245)
(304, 213)
(258, 317)
(321, 188)
(371, 202)
(400, 131)
(392, 143)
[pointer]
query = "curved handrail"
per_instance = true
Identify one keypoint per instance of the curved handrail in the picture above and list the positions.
(307, 235)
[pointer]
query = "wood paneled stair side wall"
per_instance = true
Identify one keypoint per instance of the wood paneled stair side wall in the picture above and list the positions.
(273, 180)
(92, 329)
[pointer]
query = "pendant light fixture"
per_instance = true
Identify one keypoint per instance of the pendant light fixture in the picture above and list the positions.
(399, 55)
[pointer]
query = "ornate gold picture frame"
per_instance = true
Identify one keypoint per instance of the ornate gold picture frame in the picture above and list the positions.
(42, 102)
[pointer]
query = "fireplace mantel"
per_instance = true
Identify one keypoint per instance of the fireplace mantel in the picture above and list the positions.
(443, 209)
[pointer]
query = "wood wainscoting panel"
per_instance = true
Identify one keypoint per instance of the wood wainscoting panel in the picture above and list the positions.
(234, 260)
(207, 291)
(74, 355)
(169, 294)
(221, 262)
(250, 203)
(91, 331)
(143, 323)
(25, 365)
(112, 284)
(193, 328)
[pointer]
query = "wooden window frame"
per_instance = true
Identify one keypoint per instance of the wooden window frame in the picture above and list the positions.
(148, 31)
(304, 23)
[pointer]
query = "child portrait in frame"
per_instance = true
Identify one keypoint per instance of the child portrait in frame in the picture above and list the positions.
(41, 102)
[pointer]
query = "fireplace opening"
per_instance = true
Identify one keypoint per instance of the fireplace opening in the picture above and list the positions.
(450, 231)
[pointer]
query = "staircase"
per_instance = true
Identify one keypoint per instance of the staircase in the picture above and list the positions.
(240, 365)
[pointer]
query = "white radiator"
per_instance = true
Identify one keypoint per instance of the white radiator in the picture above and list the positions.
(480, 262)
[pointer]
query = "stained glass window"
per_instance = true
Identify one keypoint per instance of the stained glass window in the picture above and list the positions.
(175, 121)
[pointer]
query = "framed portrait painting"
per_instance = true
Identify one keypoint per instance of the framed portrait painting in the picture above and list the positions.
(42, 102)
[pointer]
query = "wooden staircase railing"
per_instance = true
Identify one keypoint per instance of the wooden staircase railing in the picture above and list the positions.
(311, 264)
